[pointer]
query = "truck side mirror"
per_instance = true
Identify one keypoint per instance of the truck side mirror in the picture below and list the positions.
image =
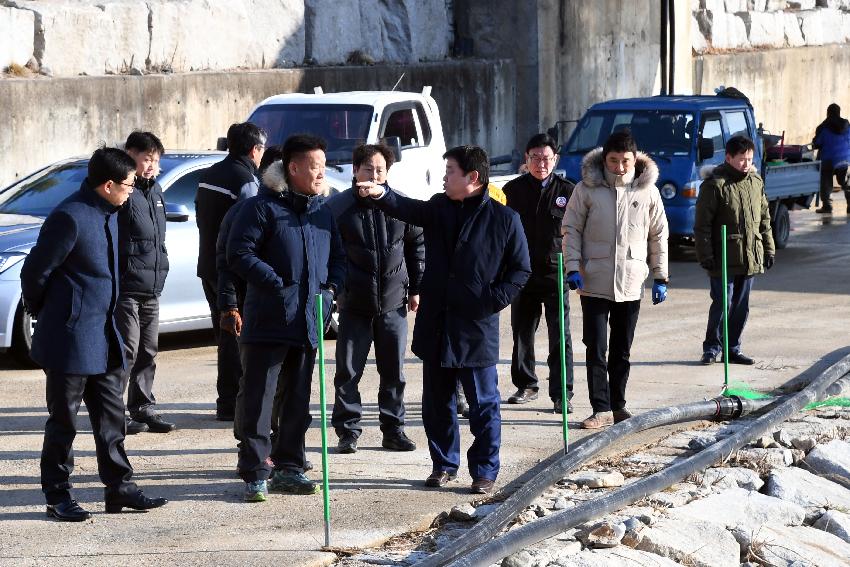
(176, 213)
(394, 144)
(705, 149)
(554, 131)
(221, 144)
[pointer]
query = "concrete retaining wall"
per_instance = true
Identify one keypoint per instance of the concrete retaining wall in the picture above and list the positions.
(789, 88)
(50, 119)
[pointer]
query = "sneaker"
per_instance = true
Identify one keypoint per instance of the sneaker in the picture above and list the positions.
(255, 491)
(598, 420)
(347, 444)
(398, 441)
(621, 415)
(559, 406)
(292, 482)
(523, 396)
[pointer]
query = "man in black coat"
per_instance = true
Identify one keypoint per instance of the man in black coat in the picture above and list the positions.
(386, 258)
(69, 282)
(286, 246)
(222, 185)
(476, 264)
(540, 197)
(143, 265)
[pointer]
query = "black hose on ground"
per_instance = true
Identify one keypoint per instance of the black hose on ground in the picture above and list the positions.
(717, 408)
(536, 531)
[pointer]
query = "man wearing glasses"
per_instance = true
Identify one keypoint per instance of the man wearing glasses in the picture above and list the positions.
(540, 197)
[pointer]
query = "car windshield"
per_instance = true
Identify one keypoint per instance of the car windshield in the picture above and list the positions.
(342, 126)
(39, 194)
(657, 132)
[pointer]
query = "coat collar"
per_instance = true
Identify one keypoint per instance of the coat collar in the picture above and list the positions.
(90, 196)
(274, 179)
(592, 172)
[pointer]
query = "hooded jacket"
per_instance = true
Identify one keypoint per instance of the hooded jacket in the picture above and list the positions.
(737, 200)
(832, 138)
(286, 246)
(385, 257)
(142, 255)
(615, 234)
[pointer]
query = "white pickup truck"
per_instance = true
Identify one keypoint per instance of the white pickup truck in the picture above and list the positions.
(407, 122)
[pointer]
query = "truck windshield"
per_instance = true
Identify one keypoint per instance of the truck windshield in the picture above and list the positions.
(342, 126)
(656, 132)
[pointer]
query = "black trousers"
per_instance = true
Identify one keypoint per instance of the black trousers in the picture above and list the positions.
(265, 365)
(525, 318)
(137, 319)
(357, 332)
(229, 365)
(102, 394)
(827, 171)
(738, 295)
(607, 378)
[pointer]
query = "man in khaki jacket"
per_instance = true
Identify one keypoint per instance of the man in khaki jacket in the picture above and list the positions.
(615, 233)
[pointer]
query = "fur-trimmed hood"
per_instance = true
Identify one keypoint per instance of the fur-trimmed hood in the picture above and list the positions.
(593, 173)
(274, 179)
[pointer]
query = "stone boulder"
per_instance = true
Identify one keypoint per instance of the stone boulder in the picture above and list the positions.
(598, 479)
(739, 508)
(835, 522)
(831, 460)
(731, 477)
(810, 491)
(698, 543)
(798, 546)
(17, 28)
(619, 557)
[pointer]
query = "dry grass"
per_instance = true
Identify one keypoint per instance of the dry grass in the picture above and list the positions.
(18, 71)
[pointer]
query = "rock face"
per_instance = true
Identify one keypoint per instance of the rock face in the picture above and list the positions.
(685, 540)
(831, 460)
(812, 492)
(17, 28)
(765, 29)
(737, 507)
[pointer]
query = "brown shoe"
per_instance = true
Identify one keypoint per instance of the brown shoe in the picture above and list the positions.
(482, 486)
(621, 415)
(440, 478)
(598, 420)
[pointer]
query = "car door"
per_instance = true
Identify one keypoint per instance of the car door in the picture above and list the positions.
(711, 128)
(412, 175)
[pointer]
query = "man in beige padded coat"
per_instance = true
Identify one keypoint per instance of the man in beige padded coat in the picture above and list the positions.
(615, 233)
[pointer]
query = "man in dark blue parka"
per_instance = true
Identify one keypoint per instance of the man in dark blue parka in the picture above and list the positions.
(69, 282)
(287, 248)
(476, 263)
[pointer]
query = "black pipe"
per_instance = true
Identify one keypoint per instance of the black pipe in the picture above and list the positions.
(524, 536)
(663, 47)
(671, 15)
(483, 531)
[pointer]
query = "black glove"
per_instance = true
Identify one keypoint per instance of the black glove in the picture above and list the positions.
(768, 261)
(708, 264)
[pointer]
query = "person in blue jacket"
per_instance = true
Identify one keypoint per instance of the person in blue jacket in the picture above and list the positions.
(286, 246)
(69, 282)
(476, 263)
(832, 139)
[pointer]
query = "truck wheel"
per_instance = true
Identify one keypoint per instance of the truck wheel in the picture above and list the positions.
(22, 337)
(781, 226)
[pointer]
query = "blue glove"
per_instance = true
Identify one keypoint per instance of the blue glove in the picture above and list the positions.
(659, 292)
(575, 281)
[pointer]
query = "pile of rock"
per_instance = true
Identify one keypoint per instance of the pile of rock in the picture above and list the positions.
(782, 500)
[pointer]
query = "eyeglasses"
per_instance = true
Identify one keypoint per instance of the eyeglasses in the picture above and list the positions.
(540, 159)
(131, 185)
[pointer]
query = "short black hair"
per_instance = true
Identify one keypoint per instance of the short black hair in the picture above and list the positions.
(471, 158)
(738, 145)
(540, 140)
(620, 141)
(242, 137)
(109, 164)
(297, 145)
(144, 142)
(364, 152)
(271, 155)
(833, 110)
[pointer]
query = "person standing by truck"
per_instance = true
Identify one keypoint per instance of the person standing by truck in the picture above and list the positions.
(540, 198)
(615, 234)
(732, 195)
(832, 140)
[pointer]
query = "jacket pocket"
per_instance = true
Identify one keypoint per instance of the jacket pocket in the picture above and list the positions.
(637, 251)
(736, 255)
(290, 303)
(76, 305)
(758, 252)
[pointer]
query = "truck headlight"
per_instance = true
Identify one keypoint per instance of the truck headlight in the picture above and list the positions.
(668, 190)
(9, 259)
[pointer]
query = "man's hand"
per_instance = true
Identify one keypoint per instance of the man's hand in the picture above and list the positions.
(413, 303)
(659, 292)
(370, 189)
(768, 261)
(575, 281)
(708, 264)
(231, 322)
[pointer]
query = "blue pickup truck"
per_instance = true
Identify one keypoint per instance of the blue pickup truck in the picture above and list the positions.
(683, 134)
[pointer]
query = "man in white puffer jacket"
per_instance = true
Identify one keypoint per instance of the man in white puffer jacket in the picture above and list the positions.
(615, 233)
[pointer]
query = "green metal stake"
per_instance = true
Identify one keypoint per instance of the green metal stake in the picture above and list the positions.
(725, 309)
(564, 401)
(325, 491)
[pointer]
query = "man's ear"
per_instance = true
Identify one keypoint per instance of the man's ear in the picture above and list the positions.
(474, 178)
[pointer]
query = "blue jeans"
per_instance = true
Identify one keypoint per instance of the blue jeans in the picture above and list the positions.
(439, 416)
(738, 292)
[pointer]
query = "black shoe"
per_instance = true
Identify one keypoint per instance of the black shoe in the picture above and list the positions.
(482, 486)
(398, 442)
(155, 423)
(462, 405)
(68, 511)
(559, 406)
(134, 427)
(523, 396)
(439, 478)
(347, 444)
(621, 415)
(225, 415)
(708, 358)
(824, 210)
(740, 358)
(135, 501)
